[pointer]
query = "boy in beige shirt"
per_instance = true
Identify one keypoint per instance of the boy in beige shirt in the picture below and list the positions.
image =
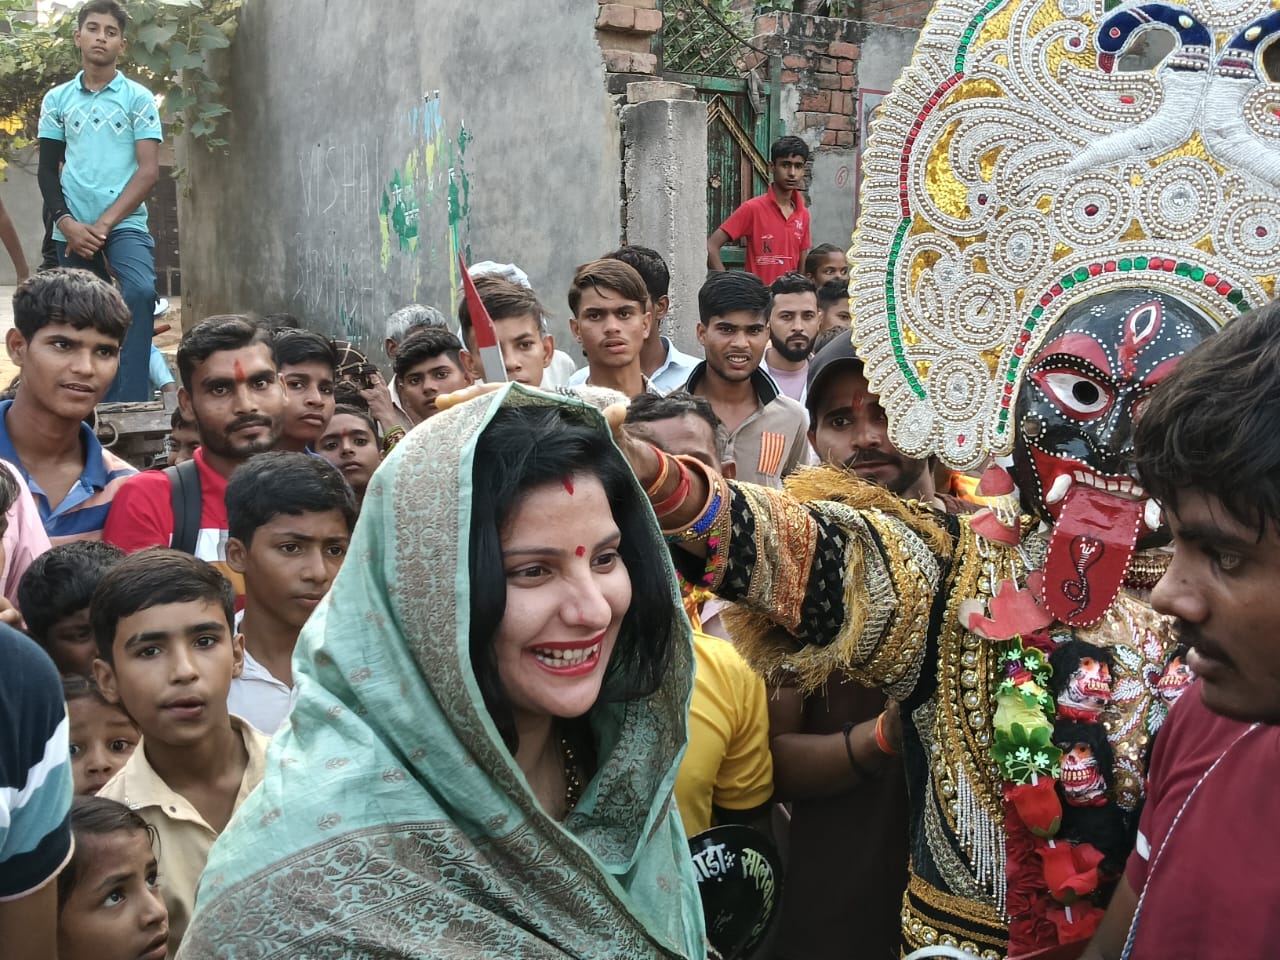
(167, 652)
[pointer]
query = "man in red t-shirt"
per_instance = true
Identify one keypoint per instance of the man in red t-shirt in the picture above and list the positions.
(776, 223)
(1202, 881)
(232, 392)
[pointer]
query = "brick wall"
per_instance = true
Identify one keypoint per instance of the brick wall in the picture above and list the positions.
(820, 60)
(625, 29)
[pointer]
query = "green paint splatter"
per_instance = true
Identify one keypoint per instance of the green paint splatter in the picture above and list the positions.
(399, 211)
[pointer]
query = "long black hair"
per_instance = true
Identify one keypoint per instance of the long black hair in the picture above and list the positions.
(528, 447)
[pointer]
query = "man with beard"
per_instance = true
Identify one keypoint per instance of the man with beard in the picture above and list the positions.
(793, 323)
(762, 432)
(232, 392)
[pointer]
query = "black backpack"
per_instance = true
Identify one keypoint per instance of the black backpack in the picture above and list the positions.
(184, 497)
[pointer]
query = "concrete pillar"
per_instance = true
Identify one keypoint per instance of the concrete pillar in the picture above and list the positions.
(664, 176)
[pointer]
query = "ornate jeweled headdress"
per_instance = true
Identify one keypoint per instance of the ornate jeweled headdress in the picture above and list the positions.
(1039, 152)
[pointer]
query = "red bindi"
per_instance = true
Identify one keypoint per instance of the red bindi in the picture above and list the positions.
(581, 551)
(239, 372)
(568, 485)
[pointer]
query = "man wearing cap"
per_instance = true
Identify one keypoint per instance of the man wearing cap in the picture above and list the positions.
(848, 837)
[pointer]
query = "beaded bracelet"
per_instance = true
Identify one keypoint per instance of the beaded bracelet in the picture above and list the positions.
(718, 541)
(664, 468)
(881, 740)
(706, 516)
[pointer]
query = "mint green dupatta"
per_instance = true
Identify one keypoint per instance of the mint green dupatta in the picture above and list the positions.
(392, 821)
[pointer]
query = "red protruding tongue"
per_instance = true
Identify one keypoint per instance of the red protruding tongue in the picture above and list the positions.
(1089, 550)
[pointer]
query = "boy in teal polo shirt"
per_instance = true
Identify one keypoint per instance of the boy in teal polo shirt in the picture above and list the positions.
(103, 130)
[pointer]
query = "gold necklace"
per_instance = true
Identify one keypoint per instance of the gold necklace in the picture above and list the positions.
(572, 783)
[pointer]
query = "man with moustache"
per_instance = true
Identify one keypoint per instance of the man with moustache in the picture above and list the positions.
(848, 835)
(1202, 880)
(793, 323)
(232, 392)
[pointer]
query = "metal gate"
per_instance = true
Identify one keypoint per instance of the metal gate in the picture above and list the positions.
(711, 51)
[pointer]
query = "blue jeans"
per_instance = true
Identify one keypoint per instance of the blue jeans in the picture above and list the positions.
(130, 259)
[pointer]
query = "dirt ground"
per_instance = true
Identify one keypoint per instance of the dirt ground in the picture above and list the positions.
(167, 341)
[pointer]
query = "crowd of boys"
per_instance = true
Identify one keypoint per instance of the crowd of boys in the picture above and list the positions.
(168, 601)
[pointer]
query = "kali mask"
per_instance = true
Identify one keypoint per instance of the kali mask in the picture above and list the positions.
(1086, 763)
(1082, 679)
(1073, 450)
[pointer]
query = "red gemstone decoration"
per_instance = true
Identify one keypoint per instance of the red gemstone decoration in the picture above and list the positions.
(1114, 32)
(1223, 288)
(1109, 266)
(982, 199)
(1095, 269)
(1261, 231)
(1056, 289)
(1126, 99)
(1074, 42)
(960, 440)
(1210, 279)
(1004, 401)
(1091, 210)
(1046, 300)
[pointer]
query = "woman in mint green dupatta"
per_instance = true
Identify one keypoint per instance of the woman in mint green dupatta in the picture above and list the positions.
(394, 820)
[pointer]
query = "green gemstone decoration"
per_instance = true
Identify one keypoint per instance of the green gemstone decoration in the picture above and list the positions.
(1140, 263)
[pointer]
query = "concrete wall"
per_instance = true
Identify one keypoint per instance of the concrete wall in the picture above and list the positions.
(664, 176)
(20, 194)
(370, 142)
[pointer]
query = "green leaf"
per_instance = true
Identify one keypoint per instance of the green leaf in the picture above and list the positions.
(180, 58)
(208, 111)
(211, 38)
(156, 34)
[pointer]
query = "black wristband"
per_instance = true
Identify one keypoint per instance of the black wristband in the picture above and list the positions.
(858, 768)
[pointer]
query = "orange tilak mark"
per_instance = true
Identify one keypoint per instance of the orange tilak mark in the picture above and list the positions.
(239, 372)
(568, 485)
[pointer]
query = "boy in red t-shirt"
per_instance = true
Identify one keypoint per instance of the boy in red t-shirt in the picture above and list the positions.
(776, 223)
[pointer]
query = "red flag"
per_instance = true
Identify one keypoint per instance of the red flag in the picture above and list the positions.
(491, 362)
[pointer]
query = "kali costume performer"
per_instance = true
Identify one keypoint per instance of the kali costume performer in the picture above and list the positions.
(394, 820)
(1041, 238)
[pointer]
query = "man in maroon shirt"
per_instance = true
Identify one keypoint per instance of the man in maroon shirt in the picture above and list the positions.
(1202, 881)
(776, 223)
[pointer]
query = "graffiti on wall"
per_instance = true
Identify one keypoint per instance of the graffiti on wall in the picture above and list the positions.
(380, 215)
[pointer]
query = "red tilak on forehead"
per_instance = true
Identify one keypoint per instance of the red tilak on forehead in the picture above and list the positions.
(581, 551)
(568, 484)
(241, 377)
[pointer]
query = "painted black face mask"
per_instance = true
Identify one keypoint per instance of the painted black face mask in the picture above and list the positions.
(1073, 452)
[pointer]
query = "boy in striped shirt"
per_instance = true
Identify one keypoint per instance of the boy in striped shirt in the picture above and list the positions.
(68, 327)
